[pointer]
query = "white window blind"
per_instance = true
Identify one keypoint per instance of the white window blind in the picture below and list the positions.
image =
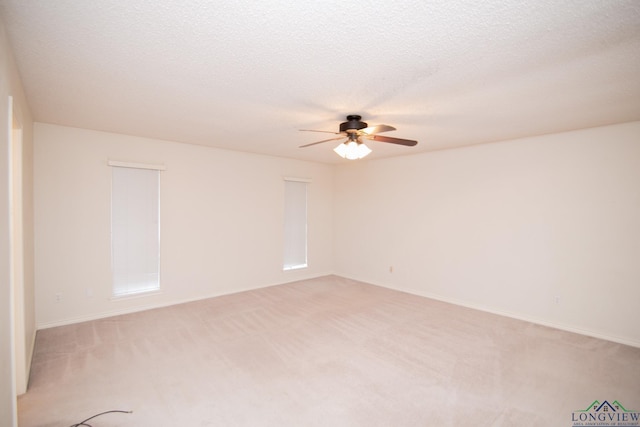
(135, 230)
(295, 224)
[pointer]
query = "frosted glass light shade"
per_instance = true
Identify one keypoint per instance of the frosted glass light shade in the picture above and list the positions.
(352, 150)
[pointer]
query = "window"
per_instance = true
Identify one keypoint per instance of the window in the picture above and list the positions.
(135, 228)
(295, 223)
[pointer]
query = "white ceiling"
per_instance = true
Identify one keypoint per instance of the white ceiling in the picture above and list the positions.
(246, 75)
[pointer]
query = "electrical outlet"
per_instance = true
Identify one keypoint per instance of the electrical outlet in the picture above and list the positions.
(557, 299)
(58, 297)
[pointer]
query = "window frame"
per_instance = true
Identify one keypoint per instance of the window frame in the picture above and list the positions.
(115, 294)
(287, 262)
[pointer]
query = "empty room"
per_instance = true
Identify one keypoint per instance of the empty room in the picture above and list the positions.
(421, 213)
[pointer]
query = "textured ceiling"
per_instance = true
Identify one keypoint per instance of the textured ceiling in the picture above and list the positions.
(246, 75)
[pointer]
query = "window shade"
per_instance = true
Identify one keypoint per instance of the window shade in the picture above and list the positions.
(295, 224)
(135, 230)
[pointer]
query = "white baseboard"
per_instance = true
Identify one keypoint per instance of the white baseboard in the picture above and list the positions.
(31, 350)
(518, 316)
(144, 307)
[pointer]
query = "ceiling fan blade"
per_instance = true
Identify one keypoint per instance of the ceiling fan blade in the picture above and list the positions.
(399, 141)
(371, 130)
(320, 142)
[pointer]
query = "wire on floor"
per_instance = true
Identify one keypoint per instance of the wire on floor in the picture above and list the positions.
(84, 422)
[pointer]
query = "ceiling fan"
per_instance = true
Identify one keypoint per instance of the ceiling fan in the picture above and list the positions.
(355, 130)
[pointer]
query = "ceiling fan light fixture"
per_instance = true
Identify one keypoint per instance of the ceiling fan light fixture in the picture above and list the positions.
(356, 130)
(352, 150)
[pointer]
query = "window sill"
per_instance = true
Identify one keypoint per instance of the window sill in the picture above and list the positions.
(295, 267)
(136, 295)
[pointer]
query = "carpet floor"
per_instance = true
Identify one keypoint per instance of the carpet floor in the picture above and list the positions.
(322, 352)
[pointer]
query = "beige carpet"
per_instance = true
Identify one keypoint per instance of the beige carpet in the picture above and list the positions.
(322, 352)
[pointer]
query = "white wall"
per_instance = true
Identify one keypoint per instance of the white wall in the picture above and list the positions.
(221, 216)
(545, 229)
(11, 86)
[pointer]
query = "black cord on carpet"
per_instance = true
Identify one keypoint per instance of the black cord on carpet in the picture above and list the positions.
(84, 422)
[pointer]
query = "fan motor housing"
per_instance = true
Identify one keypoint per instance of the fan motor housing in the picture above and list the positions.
(353, 123)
